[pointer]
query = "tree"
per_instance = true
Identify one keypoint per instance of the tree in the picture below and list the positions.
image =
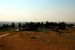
(19, 25)
(13, 25)
(62, 26)
(70, 25)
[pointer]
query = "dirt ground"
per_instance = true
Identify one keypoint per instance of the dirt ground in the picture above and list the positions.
(30, 40)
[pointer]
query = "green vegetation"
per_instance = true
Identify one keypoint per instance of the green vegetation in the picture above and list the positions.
(36, 26)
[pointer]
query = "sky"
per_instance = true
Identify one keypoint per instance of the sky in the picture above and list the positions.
(37, 10)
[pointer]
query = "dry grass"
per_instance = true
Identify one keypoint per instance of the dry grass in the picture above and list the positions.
(38, 41)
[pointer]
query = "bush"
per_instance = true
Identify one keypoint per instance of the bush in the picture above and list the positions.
(33, 37)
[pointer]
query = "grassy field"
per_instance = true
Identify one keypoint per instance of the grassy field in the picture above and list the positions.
(30, 40)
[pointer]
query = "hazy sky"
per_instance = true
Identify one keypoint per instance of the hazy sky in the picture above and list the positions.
(37, 10)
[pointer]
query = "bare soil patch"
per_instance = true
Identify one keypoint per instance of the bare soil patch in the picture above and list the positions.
(38, 41)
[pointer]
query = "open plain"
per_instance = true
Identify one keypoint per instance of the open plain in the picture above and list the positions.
(30, 40)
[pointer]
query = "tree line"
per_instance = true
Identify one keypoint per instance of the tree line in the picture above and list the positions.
(36, 26)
